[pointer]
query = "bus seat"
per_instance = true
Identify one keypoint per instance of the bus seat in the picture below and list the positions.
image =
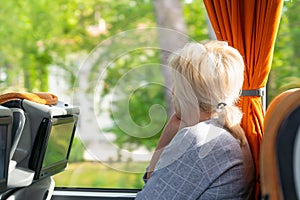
(39, 190)
(42, 136)
(280, 148)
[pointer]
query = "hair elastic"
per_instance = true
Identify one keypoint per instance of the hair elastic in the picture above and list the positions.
(220, 107)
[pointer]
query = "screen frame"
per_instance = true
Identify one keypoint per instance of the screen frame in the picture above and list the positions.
(6, 121)
(41, 143)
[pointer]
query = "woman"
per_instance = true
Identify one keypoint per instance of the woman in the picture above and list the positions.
(203, 152)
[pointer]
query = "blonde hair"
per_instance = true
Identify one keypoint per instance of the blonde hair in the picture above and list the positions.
(209, 77)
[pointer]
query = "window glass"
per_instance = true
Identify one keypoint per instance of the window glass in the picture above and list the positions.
(285, 72)
(118, 127)
(120, 89)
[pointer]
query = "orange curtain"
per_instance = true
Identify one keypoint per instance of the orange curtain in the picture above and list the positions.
(251, 27)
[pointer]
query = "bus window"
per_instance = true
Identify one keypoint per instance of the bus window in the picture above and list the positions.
(106, 57)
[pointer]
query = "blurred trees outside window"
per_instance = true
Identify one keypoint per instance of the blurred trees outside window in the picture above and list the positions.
(109, 58)
(285, 73)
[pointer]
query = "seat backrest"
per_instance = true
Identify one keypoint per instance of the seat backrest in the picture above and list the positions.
(280, 148)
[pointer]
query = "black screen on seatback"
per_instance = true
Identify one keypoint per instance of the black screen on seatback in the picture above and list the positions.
(58, 143)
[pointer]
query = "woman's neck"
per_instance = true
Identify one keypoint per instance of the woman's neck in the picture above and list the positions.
(204, 116)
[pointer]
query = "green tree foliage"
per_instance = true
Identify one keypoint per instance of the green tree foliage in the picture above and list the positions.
(28, 32)
(196, 20)
(137, 89)
(285, 70)
(128, 113)
(37, 33)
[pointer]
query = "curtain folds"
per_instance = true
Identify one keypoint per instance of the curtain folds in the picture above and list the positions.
(251, 27)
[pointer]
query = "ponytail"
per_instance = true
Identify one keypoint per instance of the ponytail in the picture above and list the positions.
(230, 117)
